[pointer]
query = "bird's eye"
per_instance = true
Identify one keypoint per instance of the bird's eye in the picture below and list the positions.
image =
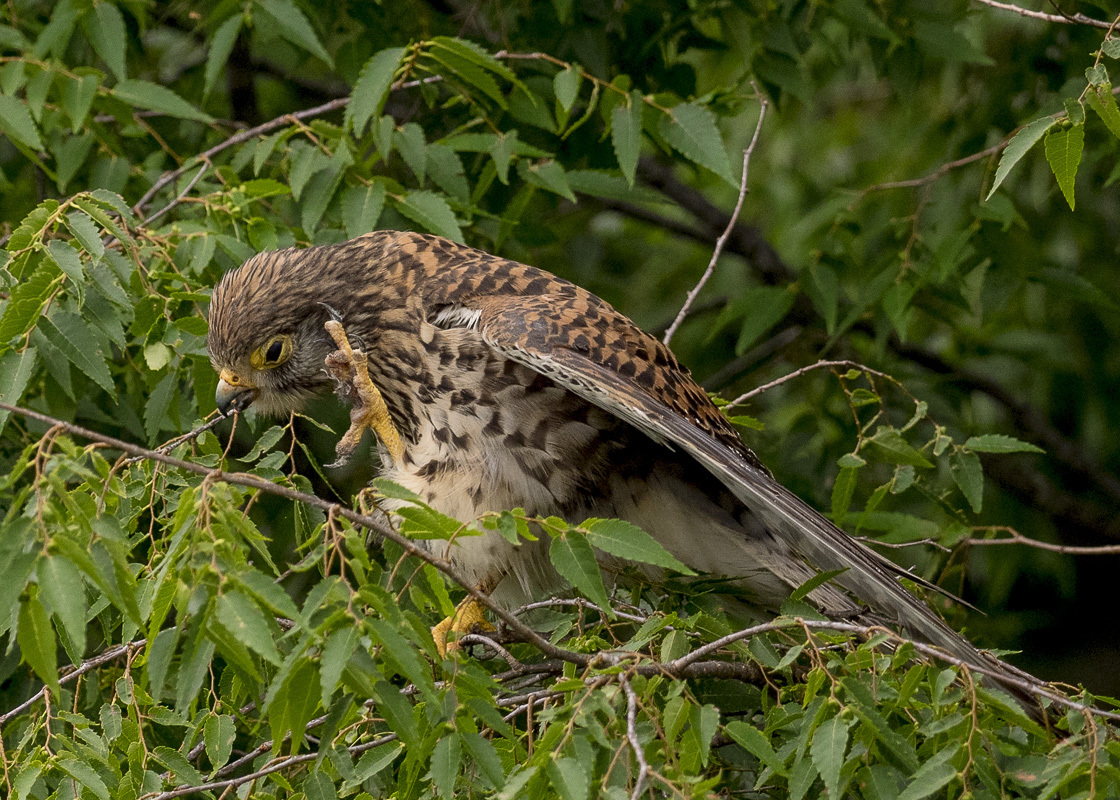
(276, 352)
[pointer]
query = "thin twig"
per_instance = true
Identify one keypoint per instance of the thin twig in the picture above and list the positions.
(1018, 538)
(727, 231)
(632, 736)
(940, 171)
(797, 373)
(198, 175)
(170, 445)
(1075, 19)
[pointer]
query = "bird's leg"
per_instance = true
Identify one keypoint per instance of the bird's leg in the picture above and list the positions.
(469, 617)
(350, 368)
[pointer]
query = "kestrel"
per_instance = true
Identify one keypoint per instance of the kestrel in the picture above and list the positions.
(495, 385)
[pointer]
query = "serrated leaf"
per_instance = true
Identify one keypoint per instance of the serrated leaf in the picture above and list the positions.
(468, 71)
(691, 130)
(26, 301)
(321, 189)
(157, 404)
(502, 150)
(843, 491)
(372, 87)
(896, 450)
(68, 260)
(16, 368)
(37, 642)
(221, 45)
(565, 85)
(244, 619)
(85, 775)
(361, 208)
(16, 122)
(295, 27)
(622, 539)
(153, 97)
(81, 346)
(445, 169)
(569, 778)
(574, 559)
(218, 734)
(626, 134)
(175, 761)
(932, 775)
(107, 35)
(77, 97)
(336, 652)
(757, 744)
(998, 443)
(1063, 153)
(830, 741)
(1097, 75)
(446, 756)
(468, 50)
(397, 712)
(86, 232)
(60, 585)
(1111, 48)
(969, 476)
(1103, 102)
(547, 175)
(432, 212)
(1020, 143)
(410, 143)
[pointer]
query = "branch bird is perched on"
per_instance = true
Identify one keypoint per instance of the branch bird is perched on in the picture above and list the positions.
(504, 386)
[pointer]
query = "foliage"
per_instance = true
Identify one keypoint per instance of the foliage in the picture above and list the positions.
(212, 619)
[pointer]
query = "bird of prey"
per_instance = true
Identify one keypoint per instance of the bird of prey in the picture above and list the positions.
(495, 385)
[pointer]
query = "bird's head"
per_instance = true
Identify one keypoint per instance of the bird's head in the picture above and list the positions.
(266, 337)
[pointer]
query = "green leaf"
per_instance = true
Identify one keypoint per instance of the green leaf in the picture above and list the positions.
(295, 27)
(153, 97)
(569, 778)
(574, 559)
(26, 301)
(68, 260)
(221, 45)
(37, 643)
(320, 191)
(969, 476)
(547, 175)
(469, 51)
(56, 35)
(432, 212)
(294, 704)
(932, 775)
(16, 367)
(107, 35)
(410, 143)
(176, 762)
(372, 88)
(397, 712)
(628, 541)
(830, 741)
(60, 585)
(1103, 102)
(1097, 75)
(626, 134)
(757, 744)
(218, 734)
(1063, 153)
(505, 145)
(336, 652)
(85, 231)
(1020, 143)
(361, 208)
(85, 775)
(566, 87)
(767, 306)
(16, 122)
(158, 403)
(72, 335)
(896, 450)
(691, 130)
(244, 619)
(77, 97)
(446, 756)
(998, 443)
(445, 169)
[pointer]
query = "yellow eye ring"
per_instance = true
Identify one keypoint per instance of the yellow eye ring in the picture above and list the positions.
(275, 352)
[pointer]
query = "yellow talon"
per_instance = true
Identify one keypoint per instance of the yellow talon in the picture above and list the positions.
(369, 410)
(468, 618)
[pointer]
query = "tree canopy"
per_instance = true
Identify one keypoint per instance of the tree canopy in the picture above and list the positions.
(912, 318)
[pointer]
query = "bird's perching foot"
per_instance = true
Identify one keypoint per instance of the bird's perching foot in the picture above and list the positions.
(469, 617)
(350, 369)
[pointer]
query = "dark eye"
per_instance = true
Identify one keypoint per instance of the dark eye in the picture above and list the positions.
(275, 350)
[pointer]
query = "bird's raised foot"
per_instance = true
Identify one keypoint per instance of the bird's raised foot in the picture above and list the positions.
(468, 618)
(349, 367)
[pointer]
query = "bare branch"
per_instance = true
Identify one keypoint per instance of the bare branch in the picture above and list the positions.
(632, 736)
(722, 241)
(1075, 19)
(1018, 538)
(797, 373)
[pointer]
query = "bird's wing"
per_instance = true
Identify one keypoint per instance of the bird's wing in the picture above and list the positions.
(549, 334)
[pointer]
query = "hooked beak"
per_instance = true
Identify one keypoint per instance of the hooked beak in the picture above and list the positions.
(233, 393)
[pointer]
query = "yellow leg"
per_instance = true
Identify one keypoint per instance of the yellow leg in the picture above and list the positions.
(349, 366)
(469, 617)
